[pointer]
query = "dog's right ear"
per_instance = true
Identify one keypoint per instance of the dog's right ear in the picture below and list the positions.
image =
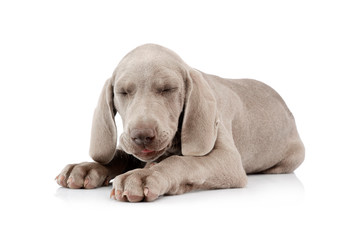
(103, 131)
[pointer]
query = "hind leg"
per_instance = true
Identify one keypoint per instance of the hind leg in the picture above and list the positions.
(294, 157)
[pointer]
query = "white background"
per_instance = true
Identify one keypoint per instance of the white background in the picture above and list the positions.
(56, 55)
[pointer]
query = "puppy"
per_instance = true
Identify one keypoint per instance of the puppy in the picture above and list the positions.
(183, 130)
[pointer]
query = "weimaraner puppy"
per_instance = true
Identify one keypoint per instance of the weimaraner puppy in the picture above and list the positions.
(184, 130)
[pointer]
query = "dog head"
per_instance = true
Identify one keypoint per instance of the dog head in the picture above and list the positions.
(151, 89)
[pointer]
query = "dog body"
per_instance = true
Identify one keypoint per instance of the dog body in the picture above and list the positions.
(183, 130)
(261, 125)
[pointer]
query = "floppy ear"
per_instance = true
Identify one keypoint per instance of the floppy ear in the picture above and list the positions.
(103, 131)
(199, 128)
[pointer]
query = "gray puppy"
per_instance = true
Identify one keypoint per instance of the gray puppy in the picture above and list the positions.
(183, 130)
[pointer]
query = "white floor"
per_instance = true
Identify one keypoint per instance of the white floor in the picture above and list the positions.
(271, 207)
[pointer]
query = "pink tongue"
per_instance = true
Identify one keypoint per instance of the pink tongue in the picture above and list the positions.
(147, 151)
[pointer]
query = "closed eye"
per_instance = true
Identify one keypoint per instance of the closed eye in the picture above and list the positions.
(122, 92)
(167, 90)
(125, 91)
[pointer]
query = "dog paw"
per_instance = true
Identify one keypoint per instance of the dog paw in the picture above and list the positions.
(139, 185)
(83, 175)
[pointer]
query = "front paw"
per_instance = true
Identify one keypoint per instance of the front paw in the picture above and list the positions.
(139, 185)
(83, 175)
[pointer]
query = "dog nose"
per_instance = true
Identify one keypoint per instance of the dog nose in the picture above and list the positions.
(142, 136)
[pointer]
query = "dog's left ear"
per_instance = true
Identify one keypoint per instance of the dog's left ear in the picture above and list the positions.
(200, 123)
